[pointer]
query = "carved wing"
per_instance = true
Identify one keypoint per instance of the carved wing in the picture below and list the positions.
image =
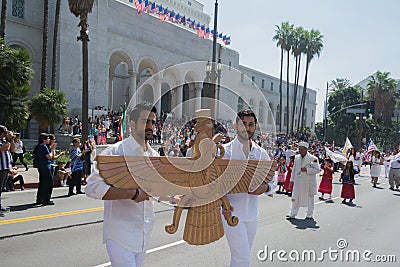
(238, 176)
(159, 176)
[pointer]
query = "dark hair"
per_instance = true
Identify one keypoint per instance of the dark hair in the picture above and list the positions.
(3, 129)
(143, 106)
(52, 136)
(43, 137)
(246, 112)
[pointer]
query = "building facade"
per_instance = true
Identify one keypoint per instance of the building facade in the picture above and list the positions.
(127, 48)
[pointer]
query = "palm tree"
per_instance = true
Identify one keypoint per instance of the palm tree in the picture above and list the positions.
(16, 75)
(281, 35)
(82, 8)
(298, 47)
(279, 38)
(288, 46)
(55, 42)
(3, 19)
(383, 90)
(313, 48)
(48, 107)
(44, 44)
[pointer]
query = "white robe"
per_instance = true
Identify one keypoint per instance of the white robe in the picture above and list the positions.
(305, 183)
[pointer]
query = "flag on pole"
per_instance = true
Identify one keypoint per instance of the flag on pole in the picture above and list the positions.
(139, 6)
(347, 146)
(369, 149)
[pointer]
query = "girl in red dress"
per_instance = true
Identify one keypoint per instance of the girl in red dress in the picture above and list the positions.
(288, 186)
(325, 187)
(347, 179)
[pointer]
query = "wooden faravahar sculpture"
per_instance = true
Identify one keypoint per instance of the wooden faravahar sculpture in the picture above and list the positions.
(203, 181)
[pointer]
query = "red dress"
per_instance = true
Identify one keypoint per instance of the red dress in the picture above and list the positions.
(348, 187)
(287, 185)
(325, 186)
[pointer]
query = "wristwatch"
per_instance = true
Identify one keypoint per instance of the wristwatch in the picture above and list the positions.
(135, 196)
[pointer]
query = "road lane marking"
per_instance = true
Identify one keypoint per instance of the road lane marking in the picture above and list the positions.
(50, 216)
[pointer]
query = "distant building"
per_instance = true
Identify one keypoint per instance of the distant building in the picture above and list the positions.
(126, 48)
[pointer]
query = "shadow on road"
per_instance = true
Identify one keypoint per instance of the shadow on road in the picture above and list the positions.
(304, 224)
(25, 207)
(397, 195)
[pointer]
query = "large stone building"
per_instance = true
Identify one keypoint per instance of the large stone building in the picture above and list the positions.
(126, 48)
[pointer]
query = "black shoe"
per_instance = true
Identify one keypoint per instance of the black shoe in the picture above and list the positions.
(80, 193)
(4, 209)
(50, 203)
(309, 218)
(344, 201)
(26, 169)
(71, 194)
(288, 217)
(391, 188)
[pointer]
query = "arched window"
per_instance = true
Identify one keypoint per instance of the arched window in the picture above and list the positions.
(278, 115)
(240, 104)
(261, 112)
(251, 104)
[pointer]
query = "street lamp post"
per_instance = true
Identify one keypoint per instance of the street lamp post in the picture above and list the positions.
(213, 62)
(81, 9)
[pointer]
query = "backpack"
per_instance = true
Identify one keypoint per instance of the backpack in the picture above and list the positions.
(34, 156)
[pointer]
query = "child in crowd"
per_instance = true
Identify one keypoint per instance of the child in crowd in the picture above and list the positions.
(347, 179)
(62, 173)
(288, 186)
(281, 174)
(325, 187)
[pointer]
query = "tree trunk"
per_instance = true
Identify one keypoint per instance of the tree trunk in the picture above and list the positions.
(3, 19)
(280, 93)
(85, 80)
(303, 98)
(43, 81)
(287, 93)
(55, 43)
(296, 86)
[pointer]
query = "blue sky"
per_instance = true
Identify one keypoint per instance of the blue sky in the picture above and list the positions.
(360, 36)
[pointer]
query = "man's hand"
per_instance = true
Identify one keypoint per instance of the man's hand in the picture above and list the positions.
(227, 213)
(142, 196)
(260, 190)
(304, 169)
(217, 138)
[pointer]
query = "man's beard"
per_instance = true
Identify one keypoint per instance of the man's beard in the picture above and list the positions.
(244, 135)
(142, 134)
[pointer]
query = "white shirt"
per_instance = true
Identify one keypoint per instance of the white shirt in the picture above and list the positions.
(18, 147)
(395, 164)
(126, 222)
(246, 205)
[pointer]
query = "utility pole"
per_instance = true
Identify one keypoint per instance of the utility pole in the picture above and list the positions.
(326, 112)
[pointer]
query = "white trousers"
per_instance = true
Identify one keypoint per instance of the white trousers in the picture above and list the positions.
(240, 239)
(295, 207)
(123, 257)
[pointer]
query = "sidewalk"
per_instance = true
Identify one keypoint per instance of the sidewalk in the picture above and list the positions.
(31, 177)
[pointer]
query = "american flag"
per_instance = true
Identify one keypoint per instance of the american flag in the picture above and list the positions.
(368, 150)
(139, 6)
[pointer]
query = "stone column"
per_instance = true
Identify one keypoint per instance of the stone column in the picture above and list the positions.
(157, 94)
(198, 89)
(132, 86)
(179, 100)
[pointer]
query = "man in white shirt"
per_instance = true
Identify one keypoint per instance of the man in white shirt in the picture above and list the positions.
(128, 214)
(240, 237)
(394, 172)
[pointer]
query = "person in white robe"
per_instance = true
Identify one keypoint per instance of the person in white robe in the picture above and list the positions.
(305, 169)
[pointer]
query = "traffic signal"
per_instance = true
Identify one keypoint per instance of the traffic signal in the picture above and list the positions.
(322, 133)
(370, 107)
